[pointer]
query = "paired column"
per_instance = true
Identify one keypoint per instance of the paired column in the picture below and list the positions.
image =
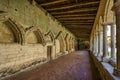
(116, 8)
(100, 43)
(113, 36)
(96, 44)
(94, 50)
(105, 43)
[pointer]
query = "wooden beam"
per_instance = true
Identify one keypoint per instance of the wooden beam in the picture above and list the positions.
(79, 25)
(86, 28)
(53, 2)
(73, 6)
(77, 21)
(76, 10)
(76, 18)
(73, 15)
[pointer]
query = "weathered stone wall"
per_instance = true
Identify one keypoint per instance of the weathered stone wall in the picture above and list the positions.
(26, 31)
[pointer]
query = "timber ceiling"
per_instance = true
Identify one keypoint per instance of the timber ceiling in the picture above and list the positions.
(78, 16)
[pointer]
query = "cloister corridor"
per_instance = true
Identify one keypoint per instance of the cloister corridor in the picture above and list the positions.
(59, 39)
(74, 66)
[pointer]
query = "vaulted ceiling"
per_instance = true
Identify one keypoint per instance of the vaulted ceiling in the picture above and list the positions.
(78, 16)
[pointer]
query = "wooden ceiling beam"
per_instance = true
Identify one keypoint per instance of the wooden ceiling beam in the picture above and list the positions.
(74, 15)
(73, 6)
(77, 21)
(76, 18)
(76, 10)
(86, 28)
(53, 2)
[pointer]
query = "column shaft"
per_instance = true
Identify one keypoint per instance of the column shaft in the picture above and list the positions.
(113, 41)
(105, 42)
(100, 42)
(94, 44)
(97, 43)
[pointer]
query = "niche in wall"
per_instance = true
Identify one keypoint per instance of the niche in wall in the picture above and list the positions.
(32, 38)
(6, 33)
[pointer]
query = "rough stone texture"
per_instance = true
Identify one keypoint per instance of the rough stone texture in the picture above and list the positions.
(74, 66)
(26, 31)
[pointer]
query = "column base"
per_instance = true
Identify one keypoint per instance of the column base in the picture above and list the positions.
(105, 59)
(116, 72)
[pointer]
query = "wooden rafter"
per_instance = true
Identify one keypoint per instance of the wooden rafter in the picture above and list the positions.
(74, 15)
(73, 6)
(76, 10)
(79, 28)
(76, 18)
(53, 2)
(77, 21)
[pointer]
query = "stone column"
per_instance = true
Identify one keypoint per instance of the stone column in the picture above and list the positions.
(100, 42)
(97, 43)
(94, 43)
(116, 8)
(105, 43)
(113, 41)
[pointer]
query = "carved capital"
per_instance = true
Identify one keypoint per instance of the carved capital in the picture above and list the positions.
(108, 23)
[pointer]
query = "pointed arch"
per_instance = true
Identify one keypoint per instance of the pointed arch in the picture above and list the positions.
(37, 33)
(49, 33)
(67, 42)
(17, 30)
(109, 14)
(62, 42)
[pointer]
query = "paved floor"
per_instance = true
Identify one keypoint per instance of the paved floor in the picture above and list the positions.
(74, 66)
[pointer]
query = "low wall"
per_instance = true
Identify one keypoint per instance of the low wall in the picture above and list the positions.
(102, 71)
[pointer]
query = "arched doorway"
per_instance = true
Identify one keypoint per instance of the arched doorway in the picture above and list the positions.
(60, 45)
(50, 41)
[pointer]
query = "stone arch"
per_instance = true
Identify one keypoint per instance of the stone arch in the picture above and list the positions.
(51, 35)
(50, 41)
(16, 30)
(73, 43)
(70, 43)
(60, 38)
(36, 34)
(67, 42)
(109, 14)
(100, 23)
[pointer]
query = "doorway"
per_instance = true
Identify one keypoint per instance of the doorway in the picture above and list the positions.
(49, 53)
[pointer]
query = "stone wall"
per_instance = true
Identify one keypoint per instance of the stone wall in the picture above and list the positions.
(103, 74)
(26, 31)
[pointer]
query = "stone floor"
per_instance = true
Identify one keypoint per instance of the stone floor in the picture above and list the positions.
(74, 66)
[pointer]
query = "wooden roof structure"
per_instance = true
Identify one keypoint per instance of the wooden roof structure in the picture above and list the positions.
(78, 16)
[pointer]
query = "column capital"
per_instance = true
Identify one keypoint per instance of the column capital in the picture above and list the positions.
(108, 23)
(101, 31)
(116, 7)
